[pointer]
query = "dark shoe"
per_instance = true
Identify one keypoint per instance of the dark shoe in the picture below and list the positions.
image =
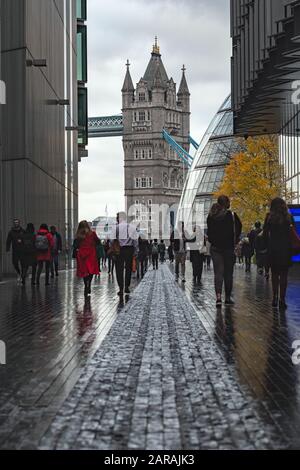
(275, 302)
(229, 301)
(219, 303)
(56, 274)
(282, 304)
(127, 291)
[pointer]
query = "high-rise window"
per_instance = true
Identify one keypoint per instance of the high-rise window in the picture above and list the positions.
(81, 53)
(81, 10)
(82, 116)
(142, 97)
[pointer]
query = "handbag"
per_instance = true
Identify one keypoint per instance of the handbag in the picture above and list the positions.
(295, 240)
(115, 248)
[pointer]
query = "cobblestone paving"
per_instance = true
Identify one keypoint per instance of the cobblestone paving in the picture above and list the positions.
(160, 382)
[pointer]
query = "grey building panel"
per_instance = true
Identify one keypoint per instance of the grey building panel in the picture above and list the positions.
(40, 158)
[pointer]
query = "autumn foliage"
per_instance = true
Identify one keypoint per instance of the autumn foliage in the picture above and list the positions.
(253, 178)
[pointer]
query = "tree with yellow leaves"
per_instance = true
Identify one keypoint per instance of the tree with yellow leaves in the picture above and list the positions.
(253, 178)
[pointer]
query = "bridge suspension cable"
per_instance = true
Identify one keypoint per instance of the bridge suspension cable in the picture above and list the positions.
(183, 154)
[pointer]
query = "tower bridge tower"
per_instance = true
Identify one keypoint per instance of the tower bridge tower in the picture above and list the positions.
(154, 174)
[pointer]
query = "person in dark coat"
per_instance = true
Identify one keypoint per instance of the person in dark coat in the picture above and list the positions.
(14, 241)
(29, 253)
(247, 253)
(277, 232)
(56, 250)
(223, 230)
(142, 256)
(197, 255)
(171, 253)
(162, 251)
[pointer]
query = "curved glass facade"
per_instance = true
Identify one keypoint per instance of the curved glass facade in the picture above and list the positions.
(207, 172)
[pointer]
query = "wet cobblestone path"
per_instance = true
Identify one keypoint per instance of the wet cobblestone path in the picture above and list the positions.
(164, 371)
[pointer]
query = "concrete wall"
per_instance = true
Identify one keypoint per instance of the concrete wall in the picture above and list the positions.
(39, 157)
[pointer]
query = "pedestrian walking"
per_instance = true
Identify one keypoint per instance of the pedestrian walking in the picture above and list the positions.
(142, 256)
(14, 242)
(179, 242)
(44, 244)
(162, 251)
(100, 255)
(247, 253)
(171, 253)
(224, 230)
(238, 252)
(197, 254)
(207, 252)
(155, 253)
(261, 255)
(29, 254)
(84, 250)
(277, 233)
(110, 257)
(56, 250)
(127, 241)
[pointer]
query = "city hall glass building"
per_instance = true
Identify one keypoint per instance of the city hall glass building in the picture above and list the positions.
(207, 172)
(266, 74)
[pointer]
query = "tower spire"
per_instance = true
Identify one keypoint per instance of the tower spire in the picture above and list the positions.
(156, 49)
(128, 84)
(183, 88)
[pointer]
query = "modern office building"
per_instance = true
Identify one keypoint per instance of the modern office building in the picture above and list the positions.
(82, 77)
(266, 76)
(154, 174)
(39, 122)
(216, 148)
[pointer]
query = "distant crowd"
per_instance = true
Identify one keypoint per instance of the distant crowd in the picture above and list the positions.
(273, 244)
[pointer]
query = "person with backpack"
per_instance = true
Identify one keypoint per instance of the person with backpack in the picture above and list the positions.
(223, 230)
(155, 252)
(14, 241)
(56, 250)
(28, 254)
(162, 251)
(44, 244)
(277, 229)
(85, 252)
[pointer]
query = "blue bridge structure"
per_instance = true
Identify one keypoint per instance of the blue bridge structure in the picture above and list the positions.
(112, 126)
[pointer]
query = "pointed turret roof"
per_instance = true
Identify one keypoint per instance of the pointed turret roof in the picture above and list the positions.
(128, 84)
(183, 88)
(156, 69)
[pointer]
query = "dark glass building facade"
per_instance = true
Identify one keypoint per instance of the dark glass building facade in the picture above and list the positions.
(266, 74)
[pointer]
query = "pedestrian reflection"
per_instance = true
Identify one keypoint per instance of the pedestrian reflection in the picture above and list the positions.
(224, 333)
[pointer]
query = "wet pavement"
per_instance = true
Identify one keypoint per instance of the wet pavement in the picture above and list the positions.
(166, 370)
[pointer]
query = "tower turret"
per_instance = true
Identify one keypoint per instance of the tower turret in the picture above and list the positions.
(128, 88)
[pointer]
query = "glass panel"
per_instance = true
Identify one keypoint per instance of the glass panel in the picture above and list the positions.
(82, 116)
(81, 53)
(81, 10)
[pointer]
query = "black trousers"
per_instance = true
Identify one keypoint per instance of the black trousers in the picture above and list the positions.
(16, 261)
(223, 262)
(124, 260)
(25, 268)
(40, 269)
(197, 263)
(111, 264)
(155, 261)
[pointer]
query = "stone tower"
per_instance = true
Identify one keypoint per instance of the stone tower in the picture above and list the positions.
(154, 174)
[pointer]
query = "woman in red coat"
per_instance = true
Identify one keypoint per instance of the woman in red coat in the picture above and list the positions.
(43, 243)
(86, 255)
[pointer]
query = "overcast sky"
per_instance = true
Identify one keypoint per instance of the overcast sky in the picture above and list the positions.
(191, 32)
